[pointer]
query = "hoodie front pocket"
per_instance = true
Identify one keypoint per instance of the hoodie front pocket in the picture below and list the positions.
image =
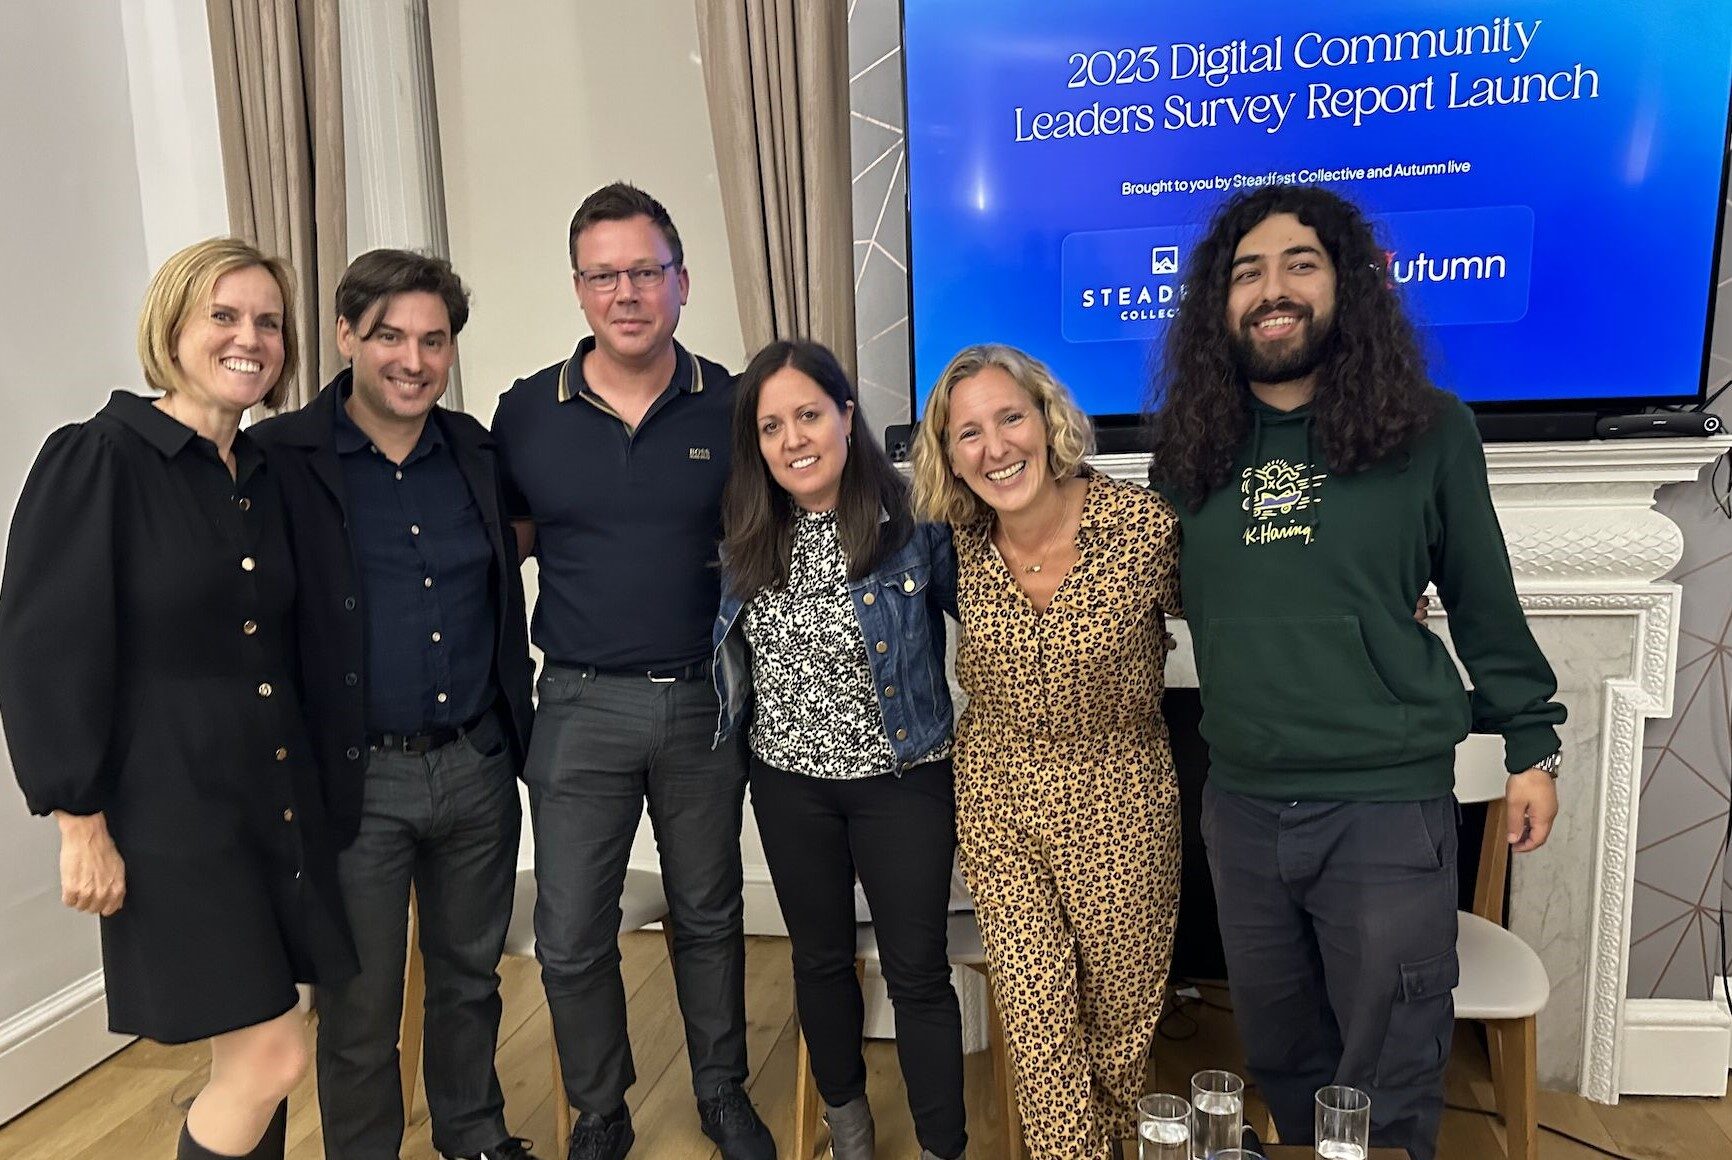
(1298, 692)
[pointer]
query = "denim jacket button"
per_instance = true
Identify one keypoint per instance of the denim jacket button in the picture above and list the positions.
(908, 585)
(868, 599)
(902, 735)
(889, 690)
(882, 647)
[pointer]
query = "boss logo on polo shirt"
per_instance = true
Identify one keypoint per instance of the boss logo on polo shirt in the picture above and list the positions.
(697, 453)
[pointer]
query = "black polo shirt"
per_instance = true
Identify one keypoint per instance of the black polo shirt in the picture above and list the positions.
(426, 571)
(627, 521)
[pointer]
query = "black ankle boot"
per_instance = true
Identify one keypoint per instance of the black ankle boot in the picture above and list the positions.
(269, 1147)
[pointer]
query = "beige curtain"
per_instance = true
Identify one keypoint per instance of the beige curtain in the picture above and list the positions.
(776, 74)
(280, 110)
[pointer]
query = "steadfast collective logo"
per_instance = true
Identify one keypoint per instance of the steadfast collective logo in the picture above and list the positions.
(1121, 284)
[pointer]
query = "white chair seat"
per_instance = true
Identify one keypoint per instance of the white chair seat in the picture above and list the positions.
(641, 903)
(1501, 976)
(964, 936)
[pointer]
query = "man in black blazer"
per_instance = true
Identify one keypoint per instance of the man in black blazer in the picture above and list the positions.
(416, 680)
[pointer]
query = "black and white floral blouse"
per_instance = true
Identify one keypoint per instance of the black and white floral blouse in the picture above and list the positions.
(816, 709)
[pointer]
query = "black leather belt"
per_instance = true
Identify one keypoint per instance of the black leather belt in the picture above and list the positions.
(696, 671)
(423, 742)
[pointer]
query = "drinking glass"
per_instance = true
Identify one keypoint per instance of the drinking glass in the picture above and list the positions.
(1163, 1128)
(1217, 1113)
(1343, 1123)
(1236, 1154)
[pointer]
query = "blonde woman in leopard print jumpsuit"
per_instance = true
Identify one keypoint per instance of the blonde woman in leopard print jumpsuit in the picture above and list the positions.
(1067, 807)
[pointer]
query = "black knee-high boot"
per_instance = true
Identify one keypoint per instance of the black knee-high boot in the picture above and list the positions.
(269, 1147)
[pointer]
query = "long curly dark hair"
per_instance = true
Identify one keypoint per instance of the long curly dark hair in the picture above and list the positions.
(1373, 396)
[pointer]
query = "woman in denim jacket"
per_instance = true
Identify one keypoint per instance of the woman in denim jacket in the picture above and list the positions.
(829, 658)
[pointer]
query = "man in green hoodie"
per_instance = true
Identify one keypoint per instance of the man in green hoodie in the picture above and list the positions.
(1322, 482)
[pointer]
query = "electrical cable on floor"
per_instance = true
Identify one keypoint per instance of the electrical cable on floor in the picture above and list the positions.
(1544, 1127)
(1175, 1014)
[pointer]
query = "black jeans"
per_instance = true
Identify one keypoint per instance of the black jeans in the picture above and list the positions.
(602, 746)
(1339, 922)
(898, 834)
(448, 822)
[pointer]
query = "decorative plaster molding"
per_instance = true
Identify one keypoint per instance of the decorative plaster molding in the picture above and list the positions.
(1649, 462)
(1588, 542)
(1655, 608)
(1614, 881)
(1627, 703)
(1630, 468)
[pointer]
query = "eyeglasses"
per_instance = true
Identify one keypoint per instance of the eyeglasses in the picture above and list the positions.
(642, 277)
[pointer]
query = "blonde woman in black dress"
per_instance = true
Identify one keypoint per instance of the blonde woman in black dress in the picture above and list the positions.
(148, 693)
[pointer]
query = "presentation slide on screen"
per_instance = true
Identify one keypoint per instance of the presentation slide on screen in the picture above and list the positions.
(1546, 179)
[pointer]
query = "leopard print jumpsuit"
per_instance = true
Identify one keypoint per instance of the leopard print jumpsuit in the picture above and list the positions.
(1068, 812)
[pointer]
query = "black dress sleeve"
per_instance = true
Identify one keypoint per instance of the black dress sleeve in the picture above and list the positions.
(58, 623)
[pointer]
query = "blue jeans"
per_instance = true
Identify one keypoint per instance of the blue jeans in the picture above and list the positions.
(448, 822)
(602, 746)
(1339, 923)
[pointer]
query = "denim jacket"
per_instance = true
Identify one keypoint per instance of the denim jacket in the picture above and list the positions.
(900, 609)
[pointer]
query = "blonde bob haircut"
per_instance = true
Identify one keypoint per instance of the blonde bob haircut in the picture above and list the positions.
(1070, 438)
(184, 284)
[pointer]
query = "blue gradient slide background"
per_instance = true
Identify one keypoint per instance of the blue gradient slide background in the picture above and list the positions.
(1623, 190)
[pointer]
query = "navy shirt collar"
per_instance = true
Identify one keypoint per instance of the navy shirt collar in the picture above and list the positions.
(170, 436)
(349, 438)
(688, 376)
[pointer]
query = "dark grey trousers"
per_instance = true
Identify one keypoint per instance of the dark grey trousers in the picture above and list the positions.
(602, 746)
(448, 822)
(1339, 923)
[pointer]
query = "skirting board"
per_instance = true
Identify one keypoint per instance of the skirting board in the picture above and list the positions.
(1675, 1047)
(48, 1045)
(763, 912)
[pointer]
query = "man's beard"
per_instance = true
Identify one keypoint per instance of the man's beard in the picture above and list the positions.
(1288, 361)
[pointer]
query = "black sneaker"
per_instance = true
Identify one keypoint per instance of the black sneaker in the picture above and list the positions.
(598, 1138)
(732, 1122)
(510, 1148)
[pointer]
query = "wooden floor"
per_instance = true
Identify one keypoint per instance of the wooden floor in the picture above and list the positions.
(131, 1107)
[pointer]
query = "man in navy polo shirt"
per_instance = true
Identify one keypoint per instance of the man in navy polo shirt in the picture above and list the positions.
(615, 460)
(415, 677)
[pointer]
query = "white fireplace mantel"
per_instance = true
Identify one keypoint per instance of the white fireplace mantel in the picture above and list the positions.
(1588, 550)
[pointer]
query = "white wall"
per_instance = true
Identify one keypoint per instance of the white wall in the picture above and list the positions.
(89, 207)
(540, 102)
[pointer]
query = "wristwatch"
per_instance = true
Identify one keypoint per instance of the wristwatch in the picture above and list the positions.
(1550, 763)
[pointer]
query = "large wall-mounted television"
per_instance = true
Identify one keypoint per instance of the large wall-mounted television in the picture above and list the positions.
(1549, 177)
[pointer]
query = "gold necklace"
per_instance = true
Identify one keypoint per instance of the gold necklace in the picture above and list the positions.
(1051, 538)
